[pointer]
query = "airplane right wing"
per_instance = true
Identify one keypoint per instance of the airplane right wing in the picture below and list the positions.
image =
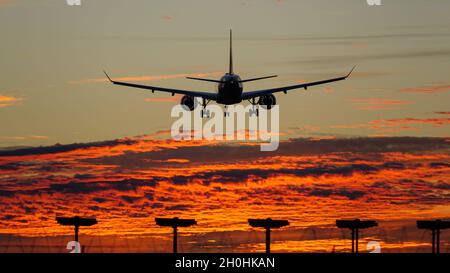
(258, 93)
(204, 95)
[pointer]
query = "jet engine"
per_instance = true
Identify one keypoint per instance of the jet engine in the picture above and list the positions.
(189, 103)
(267, 101)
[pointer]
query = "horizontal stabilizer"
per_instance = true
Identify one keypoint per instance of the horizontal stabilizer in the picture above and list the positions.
(206, 80)
(257, 79)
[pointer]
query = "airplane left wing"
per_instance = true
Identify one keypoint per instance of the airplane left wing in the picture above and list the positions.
(258, 93)
(205, 95)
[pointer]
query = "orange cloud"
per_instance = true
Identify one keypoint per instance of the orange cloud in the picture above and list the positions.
(38, 137)
(24, 137)
(328, 89)
(126, 183)
(9, 101)
(378, 104)
(437, 122)
(443, 113)
(427, 89)
(395, 125)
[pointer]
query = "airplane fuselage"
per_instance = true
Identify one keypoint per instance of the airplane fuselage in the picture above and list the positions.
(229, 89)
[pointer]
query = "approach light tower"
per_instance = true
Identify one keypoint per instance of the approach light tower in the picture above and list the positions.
(355, 226)
(76, 222)
(435, 227)
(175, 223)
(267, 224)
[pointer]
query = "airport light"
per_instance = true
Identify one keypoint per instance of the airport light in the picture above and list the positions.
(267, 224)
(76, 222)
(175, 223)
(435, 226)
(355, 226)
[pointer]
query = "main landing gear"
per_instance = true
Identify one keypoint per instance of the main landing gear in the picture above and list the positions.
(254, 110)
(205, 113)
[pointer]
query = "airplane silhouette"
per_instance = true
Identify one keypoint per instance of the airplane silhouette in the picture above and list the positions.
(230, 89)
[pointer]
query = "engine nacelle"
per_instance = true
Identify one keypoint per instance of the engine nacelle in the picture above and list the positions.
(189, 103)
(267, 101)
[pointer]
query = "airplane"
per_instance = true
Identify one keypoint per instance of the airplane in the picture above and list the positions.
(230, 89)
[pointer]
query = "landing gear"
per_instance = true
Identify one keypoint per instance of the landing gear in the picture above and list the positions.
(225, 112)
(254, 109)
(205, 113)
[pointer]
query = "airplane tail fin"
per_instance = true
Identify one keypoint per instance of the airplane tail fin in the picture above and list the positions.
(231, 52)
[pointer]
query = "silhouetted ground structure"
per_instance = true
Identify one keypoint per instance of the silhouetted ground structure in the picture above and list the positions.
(355, 226)
(268, 224)
(435, 226)
(175, 223)
(76, 222)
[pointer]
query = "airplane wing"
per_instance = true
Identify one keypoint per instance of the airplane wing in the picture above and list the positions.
(254, 94)
(205, 95)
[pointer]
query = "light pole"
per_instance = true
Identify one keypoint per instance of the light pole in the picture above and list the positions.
(175, 223)
(435, 226)
(76, 222)
(267, 224)
(355, 226)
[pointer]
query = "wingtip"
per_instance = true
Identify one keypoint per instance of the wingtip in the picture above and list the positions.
(351, 71)
(106, 74)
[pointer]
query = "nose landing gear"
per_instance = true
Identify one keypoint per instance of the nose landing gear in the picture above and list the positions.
(225, 112)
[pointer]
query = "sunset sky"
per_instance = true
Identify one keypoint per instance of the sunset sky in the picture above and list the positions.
(374, 146)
